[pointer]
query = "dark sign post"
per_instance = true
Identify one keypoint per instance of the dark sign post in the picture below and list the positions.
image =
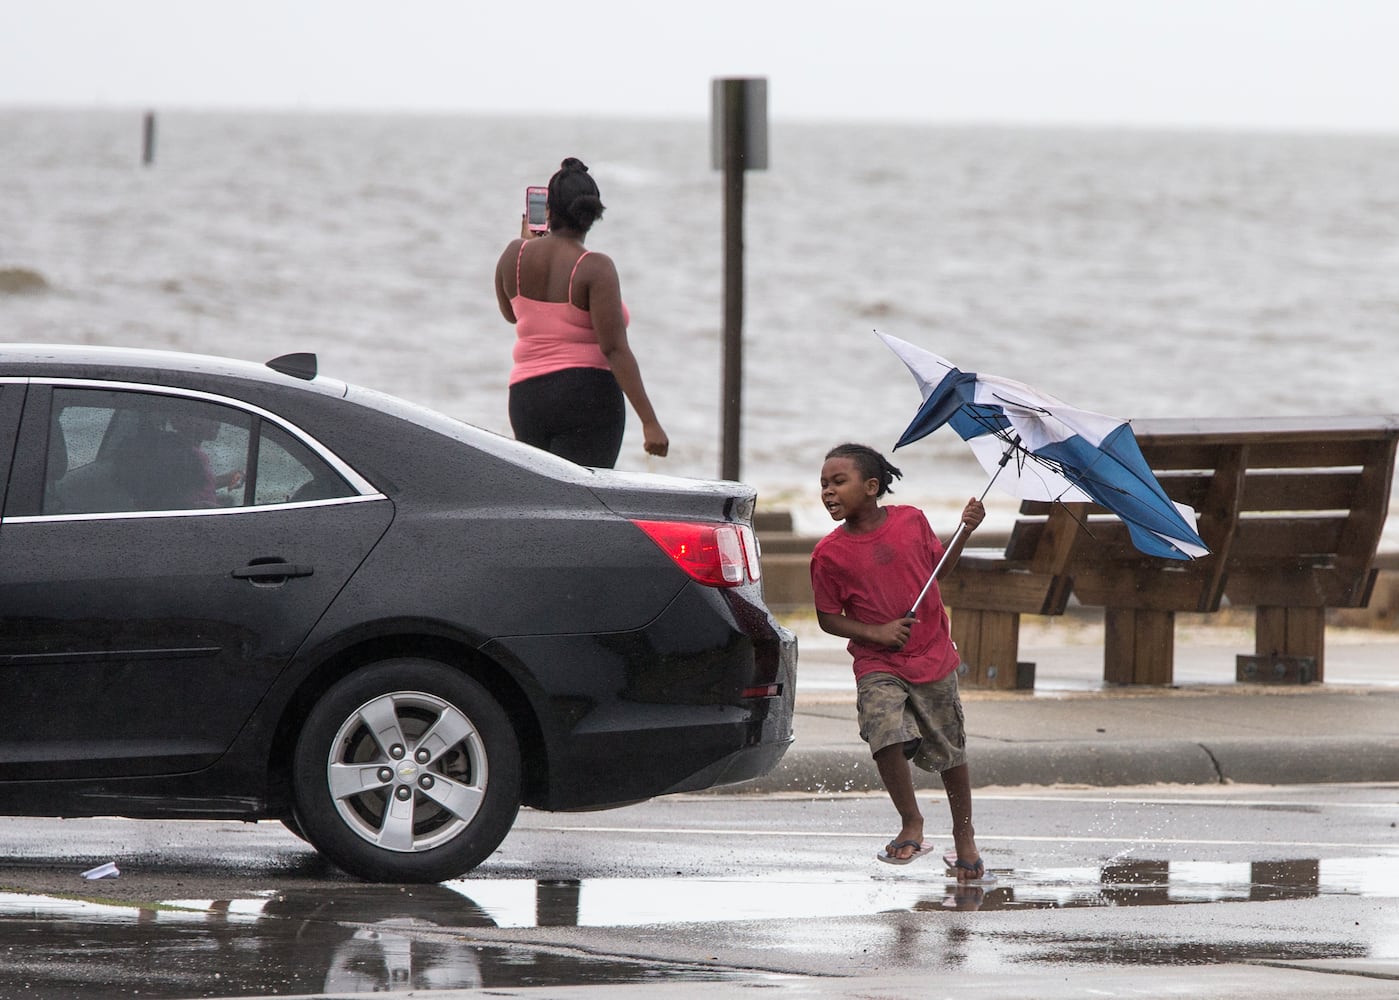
(739, 143)
(148, 139)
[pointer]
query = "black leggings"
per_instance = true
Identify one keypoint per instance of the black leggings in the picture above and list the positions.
(577, 413)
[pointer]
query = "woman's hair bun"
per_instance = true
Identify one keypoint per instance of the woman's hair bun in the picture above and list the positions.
(574, 202)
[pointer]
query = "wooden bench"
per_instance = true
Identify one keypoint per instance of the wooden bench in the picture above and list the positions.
(1291, 508)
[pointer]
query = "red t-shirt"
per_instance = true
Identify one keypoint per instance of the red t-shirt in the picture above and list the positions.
(874, 578)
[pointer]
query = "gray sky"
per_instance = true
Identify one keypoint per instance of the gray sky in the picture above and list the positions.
(1289, 64)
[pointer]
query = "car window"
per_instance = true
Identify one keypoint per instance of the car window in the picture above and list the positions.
(289, 472)
(112, 451)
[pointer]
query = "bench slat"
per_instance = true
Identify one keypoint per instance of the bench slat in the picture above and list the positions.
(1004, 589)
(1302, 539)
(1293, 453)
(1274, 490)
(1246, 430)
(1300, 587)
(1301, 491)
(1114, 585)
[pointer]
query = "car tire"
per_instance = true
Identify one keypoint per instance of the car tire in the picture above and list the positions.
(426, 799)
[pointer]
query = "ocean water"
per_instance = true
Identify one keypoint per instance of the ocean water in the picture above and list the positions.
(1138, 273)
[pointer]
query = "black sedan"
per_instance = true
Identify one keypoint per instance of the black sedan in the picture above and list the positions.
(239, 591)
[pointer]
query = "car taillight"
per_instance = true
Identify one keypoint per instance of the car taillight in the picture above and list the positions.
(716, 555)
(751, 551)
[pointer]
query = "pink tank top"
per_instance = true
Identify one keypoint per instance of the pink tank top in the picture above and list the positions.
(552, 336)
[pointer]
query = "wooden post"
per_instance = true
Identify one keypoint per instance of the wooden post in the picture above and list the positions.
(1282, 631)
(1138, 646)
(148, 139)
(989, 644)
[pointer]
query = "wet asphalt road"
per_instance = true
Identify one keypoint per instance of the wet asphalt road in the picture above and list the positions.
(713, 888)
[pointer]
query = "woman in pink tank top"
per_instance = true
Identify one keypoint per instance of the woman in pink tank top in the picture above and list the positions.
(573, 364)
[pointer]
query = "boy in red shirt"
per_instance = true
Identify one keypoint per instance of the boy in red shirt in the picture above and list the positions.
(865, 575)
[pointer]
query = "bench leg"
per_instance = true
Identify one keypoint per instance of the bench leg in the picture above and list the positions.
(1292, 632)
(989, 642)
(1139, 647)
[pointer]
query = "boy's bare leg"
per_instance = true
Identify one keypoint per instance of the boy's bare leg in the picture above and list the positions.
(898, 782)
(958, 784)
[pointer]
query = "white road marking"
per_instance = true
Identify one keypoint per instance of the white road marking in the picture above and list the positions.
(987, 838)
(1142, 801)
(1227, 795)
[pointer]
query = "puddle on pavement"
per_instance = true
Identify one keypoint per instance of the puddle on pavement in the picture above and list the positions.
(631, 902)
(365, 939)
(388, 938)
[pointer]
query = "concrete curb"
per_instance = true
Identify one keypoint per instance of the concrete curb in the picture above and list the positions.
(1311, 760)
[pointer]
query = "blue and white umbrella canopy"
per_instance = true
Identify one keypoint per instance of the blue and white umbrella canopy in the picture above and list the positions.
(1052, 451)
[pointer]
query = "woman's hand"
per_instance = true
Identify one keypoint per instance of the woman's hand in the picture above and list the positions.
(656, 441)
(526, 233)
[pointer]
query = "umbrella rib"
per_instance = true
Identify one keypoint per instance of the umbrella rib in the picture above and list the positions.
(1077, 520)
(1021, 404)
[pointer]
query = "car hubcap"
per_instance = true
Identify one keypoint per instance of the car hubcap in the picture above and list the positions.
(407, 771)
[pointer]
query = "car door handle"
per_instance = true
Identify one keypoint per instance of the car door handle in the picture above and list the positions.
(271, 571)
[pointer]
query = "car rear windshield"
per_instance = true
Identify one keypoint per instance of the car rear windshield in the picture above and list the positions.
(508, 449)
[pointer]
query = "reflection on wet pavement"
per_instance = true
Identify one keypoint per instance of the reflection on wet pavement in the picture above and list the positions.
(367, 939)
(384, 938)
(628, 902)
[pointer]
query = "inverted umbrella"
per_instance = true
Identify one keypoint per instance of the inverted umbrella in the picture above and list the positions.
(1053, 451)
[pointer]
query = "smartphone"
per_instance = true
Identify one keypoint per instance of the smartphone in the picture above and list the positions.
(536, 205)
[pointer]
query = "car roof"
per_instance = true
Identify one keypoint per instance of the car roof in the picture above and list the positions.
(118, 364)
(38, 358)
(122, 363)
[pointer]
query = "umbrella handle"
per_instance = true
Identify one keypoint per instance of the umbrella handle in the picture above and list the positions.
(938, 568)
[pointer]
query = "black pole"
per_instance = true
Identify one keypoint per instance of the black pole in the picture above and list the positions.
(732, 401)
(148, 140)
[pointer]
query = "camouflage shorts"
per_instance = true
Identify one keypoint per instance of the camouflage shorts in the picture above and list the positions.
(927, 716)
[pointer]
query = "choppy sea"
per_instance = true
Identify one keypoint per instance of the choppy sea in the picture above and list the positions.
(1138, 273)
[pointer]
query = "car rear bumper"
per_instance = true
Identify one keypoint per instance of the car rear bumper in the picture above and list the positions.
(741, 765)
(702, 696)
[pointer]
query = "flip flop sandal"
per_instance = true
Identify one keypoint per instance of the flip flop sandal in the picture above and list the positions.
(890, 857)
(977, 870)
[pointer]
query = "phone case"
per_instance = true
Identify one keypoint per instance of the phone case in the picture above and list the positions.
(536, 209)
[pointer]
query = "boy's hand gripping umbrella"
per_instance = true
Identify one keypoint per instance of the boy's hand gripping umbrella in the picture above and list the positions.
(1053, 451)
